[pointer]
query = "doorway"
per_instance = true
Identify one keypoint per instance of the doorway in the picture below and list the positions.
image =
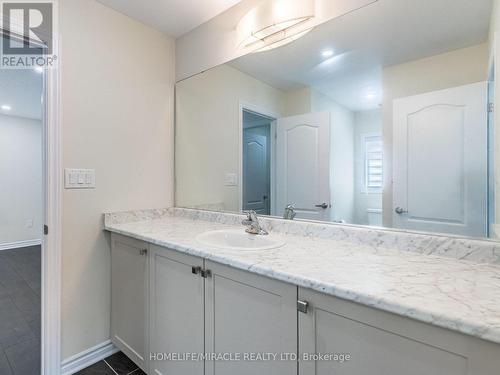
(35, 262)
(256, 162)
(22, 219)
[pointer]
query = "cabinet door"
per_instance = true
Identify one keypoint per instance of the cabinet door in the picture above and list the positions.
(129, 297)
(381, 343)
(247, 313)
(177, 321)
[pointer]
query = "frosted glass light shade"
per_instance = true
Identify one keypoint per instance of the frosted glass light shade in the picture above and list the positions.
(274, 23)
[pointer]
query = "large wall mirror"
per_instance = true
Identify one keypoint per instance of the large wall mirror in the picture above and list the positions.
(379, 118)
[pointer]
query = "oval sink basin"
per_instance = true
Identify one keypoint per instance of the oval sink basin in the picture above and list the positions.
(238, 239)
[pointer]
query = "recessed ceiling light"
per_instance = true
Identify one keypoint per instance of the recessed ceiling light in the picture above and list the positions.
(327, 53)
(39, 69)
(370, 96)
(6, 107)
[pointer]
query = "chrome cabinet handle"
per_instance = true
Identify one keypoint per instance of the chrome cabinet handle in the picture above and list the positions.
(206, 274)
(200, 271)
(303, 306)
(324, 206)
(400, 210)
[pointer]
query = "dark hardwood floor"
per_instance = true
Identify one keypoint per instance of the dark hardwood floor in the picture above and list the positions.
(20, 311)
(117, 364)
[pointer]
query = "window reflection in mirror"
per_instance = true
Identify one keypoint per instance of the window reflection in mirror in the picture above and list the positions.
(377, 118)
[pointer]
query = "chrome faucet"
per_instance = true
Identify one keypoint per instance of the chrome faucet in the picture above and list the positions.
(289, 212)
(252, 223)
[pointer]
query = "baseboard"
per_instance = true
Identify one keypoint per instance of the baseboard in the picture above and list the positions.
(87, 358)
(19, 244)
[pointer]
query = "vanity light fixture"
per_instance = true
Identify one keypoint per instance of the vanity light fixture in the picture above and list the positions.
(6, 107)
(274, 23)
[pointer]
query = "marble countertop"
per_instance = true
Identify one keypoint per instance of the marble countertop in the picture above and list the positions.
(449, 293)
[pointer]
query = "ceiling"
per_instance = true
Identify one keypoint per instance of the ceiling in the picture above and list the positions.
(385, 33)
(21, 89)
(172, 17)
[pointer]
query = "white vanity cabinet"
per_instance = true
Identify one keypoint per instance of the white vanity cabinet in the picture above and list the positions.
(129, 297)
(381, 343)
(167, 303)
(204, 307)
(248, 313)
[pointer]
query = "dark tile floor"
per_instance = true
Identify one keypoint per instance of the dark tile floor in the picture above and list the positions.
(117, 364)
(20, 291)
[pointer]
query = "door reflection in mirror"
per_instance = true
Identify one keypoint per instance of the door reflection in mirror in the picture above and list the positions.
(256, 158)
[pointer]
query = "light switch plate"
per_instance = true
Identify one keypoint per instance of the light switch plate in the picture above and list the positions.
(79, 178)
(231, 179)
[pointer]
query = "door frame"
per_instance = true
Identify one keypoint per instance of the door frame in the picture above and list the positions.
(51, 212)
(246, 106)
(493, 76)
(51, 243)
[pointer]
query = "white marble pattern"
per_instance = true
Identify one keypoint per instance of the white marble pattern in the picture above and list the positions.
(459, 295)
(138, 215)
(476, 250)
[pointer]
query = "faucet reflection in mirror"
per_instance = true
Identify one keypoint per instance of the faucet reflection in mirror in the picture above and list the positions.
(289, 212)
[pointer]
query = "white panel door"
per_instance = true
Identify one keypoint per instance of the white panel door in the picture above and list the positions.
(255, 174)
(303, 165)
(440, 161)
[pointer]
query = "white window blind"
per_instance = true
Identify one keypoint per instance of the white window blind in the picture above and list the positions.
(373, 163)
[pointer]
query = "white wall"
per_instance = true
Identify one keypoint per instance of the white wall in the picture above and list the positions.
(342, 156)
(21, 179)
(117, 82)
(366, 122)
(207, 135)
(494, 26)
(451, 69)
(298, 102)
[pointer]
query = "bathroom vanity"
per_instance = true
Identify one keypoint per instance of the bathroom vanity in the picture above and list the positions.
(374, 309)
(358, 122)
